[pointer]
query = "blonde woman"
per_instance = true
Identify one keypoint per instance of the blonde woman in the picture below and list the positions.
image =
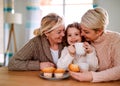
(44, 49)
(106, 43)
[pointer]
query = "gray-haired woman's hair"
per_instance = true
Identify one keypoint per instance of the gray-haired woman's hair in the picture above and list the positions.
(96, 18)
(49, 23)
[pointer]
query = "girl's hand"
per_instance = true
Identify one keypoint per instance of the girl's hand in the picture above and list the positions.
(71, 50)
(84, 76)
(88, 47)
(46, 64)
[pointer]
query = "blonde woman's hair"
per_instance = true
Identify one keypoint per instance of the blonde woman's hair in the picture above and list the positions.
(96, 18)
(49, 23)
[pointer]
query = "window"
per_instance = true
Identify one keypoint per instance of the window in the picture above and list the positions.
(1, 34)
(72, 10)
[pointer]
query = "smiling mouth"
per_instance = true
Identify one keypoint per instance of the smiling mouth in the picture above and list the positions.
(74, 41)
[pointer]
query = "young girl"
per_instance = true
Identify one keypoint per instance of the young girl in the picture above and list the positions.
(68, 55)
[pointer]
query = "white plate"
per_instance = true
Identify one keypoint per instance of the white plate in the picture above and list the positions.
(65, 76)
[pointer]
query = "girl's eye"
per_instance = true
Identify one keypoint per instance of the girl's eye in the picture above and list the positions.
(69, 35)
(76, 34)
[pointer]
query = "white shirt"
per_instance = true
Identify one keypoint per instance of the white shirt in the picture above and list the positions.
(66, 59)
(54, 55)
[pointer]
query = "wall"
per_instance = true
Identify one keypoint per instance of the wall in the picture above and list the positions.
(113, 8)
(1, 31)
(31, 16)
(1, 26)
(20, 7)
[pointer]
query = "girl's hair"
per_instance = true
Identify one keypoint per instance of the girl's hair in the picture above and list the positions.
(49, 23)
(72, 25)
(96, 18)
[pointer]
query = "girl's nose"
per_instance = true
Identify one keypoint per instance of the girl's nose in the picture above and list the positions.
(73, 37)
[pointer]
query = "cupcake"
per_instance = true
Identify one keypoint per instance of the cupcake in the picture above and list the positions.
(59, 72)
(48, 72)
(74, 68)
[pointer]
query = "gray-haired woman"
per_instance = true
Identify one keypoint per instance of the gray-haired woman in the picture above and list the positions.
(44, 49)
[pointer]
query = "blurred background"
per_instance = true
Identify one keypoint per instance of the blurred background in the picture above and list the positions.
(19, 18)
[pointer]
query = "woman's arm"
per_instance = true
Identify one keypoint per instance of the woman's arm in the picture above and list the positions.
(22, 60)
(91, 56)
(65, 59)
(107, 75)
(114, 72)
(92, 60)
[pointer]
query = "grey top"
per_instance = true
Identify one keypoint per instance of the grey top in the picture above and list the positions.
(29, 57)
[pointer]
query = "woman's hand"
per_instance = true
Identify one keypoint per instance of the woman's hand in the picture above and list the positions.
(46, 64)
(84, 76)
(88, 47)
(71, 50)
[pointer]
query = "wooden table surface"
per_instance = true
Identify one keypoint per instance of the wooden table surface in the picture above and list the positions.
(31, 78)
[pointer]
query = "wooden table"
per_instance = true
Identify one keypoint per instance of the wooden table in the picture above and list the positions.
(31, 78)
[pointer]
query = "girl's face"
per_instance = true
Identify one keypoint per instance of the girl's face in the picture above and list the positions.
(73, 35)
(90, 34)
(56, 35)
